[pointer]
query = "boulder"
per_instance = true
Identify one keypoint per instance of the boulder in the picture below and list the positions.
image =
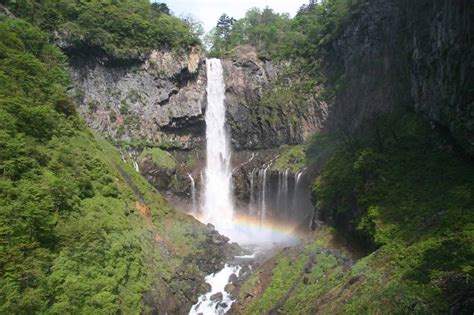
(216, 297)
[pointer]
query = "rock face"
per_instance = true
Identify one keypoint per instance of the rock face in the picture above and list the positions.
(159, 100)
(405, 54)
(257, 125)
(440, 61)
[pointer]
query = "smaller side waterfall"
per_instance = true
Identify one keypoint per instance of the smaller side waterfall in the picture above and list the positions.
(278, 195)
(264, 193)
(252, 192)
(133, 156)
(193, 194)
(122, 155)
(298, 176)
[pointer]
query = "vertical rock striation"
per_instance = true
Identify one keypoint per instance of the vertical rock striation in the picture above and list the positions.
(405, 54)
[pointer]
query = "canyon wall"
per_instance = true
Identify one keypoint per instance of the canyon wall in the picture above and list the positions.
(396, 54)
(259, 123)
(157, 101)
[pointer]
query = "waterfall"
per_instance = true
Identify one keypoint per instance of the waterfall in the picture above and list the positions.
(298, 176)
(193, 194)
(279, 189)
(122, 155)
(252, 192)
(133, 154)
(218, 203)
(264, 193)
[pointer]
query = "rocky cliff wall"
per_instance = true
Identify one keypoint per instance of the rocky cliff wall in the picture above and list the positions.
(257, 121)
(441, 53)
(405, 54)
(159, 100)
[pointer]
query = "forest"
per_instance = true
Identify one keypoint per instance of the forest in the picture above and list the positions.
(348, 125)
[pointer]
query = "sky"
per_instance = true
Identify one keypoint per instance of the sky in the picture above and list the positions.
(208, 11)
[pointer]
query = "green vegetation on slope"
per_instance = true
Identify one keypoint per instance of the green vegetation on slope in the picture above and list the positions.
(404, 191)
(292, 158)
(80, 232)
(402, 188)
(122, 29)
(160, 157)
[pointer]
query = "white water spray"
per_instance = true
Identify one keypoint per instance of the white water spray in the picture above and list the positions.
(193, 193)
(218, 203)
(217, 282)
(264, 193)
(252, 193)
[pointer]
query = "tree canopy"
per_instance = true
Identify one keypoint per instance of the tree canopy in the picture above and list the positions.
(279, 36)
(120, 29)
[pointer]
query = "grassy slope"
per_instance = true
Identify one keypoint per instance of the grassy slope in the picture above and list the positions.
(410, 197)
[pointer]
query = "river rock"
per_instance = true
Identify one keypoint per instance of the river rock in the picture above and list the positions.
(231, 289)
(233, 279)
(219, 239)
(223, 305)
(216, 297)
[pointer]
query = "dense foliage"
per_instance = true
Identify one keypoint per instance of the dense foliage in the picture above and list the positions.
(279, 36)
(124, 29)
(408, 194)
(78, 227)
(403, 189)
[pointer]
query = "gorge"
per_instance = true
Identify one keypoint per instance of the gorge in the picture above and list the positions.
(319, 163)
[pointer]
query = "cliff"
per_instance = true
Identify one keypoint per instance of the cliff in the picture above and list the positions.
(158, 100)
(258, 116)
(395, 55)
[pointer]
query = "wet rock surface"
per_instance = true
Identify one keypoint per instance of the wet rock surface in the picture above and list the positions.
(218, 251)
(216, 297)
(187, 283)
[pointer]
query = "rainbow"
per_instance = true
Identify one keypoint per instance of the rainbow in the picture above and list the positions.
(249, 230)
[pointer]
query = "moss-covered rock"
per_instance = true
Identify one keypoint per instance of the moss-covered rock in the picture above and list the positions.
(291, 158)
(159, 157)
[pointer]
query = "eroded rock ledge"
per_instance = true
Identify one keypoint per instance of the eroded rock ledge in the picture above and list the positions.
(158, 101)
(258, 124)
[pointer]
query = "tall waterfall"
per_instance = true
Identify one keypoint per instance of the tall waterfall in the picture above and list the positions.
(218, 201)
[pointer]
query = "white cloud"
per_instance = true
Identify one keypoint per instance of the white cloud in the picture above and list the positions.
(208, 11)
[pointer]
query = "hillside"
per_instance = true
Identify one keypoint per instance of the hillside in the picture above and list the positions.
(81, 230)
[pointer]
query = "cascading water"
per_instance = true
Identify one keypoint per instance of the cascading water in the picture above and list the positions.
(133, 156)
(218, 208)
(218, 204)
(193, 194)
(252, 193)
(264, 193)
